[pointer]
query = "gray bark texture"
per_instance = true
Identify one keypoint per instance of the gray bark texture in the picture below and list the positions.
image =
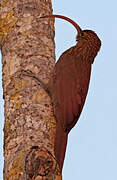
(27, 45)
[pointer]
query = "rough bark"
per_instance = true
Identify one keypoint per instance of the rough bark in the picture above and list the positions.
(27, 44)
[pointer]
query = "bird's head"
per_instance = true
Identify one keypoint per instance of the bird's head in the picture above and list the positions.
(87, 37)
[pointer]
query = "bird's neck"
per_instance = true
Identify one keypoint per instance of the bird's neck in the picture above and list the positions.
(82, 61)
(88, 50)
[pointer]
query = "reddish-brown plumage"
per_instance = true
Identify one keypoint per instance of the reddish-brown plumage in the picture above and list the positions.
(70, 83)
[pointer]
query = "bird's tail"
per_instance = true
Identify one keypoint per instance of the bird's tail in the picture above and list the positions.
(60, 145)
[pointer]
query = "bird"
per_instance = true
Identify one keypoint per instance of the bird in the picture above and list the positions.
(70, 82)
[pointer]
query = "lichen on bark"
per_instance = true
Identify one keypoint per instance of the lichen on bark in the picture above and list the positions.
(5, 23)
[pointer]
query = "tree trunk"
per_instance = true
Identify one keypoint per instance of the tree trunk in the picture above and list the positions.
(27, 44)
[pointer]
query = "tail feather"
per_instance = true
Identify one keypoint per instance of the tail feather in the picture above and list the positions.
(60, 145)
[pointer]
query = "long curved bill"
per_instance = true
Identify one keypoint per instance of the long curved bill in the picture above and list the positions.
(67, 19)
